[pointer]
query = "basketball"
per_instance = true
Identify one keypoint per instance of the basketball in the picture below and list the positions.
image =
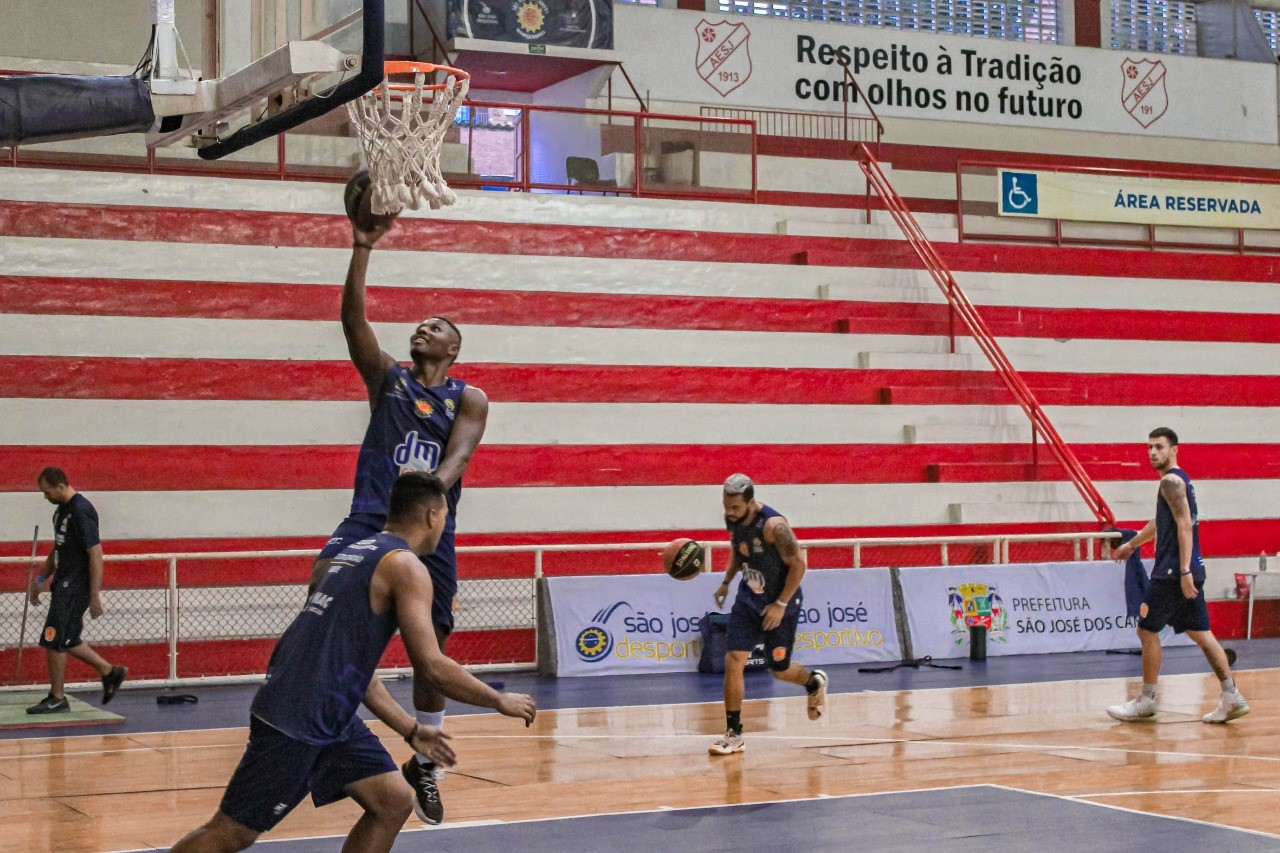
(683, 559)
(356, 198)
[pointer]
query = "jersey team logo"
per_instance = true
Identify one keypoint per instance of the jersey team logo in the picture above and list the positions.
(724, 56)
(974, 604)
(423, 408)
(1142, 92)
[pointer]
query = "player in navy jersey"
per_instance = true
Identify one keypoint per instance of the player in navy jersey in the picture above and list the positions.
(1176, 594)
(772, 563)
(73, 571)
(304, 733)
(422, 420)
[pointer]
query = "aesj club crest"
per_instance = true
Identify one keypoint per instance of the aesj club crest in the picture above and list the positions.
(724, 55)
(1143, 93)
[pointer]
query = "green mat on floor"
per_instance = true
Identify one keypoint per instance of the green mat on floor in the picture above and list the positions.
(13, 713)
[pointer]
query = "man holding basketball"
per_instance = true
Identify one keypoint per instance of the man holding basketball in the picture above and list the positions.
(772, 563)
(422, 420)
(1176, 594)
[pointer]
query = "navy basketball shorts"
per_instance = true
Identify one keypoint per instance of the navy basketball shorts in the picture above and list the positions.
(442, 565)
(277, 771)
(1166, 605)
(746, 627)
(65, 621)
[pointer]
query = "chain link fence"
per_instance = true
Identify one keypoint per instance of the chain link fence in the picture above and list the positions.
(180, 617)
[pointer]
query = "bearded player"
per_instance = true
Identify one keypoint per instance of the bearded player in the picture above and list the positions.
(423, 420)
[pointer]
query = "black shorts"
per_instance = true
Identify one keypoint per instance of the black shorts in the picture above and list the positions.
(65, 621)
(442, 565)
(277, 771)
(746, 627)
(1166, 605)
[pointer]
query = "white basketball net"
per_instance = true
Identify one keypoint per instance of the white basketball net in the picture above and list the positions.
(401, 137)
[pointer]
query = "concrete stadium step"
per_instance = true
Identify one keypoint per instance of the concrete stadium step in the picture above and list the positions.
(1047, 468)
(880, 360)
(1040, 511)
(994, 394)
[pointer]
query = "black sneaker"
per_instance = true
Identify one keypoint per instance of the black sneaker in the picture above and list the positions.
(426, 790)
(111, 682)
(49, 705)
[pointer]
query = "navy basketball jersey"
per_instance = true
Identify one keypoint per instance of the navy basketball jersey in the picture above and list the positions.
(1167, 564)
(764, 572)
(408, 431)
(320, 669)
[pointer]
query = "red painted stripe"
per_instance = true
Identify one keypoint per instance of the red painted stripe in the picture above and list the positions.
(213, 658)
(179, 225)
(72, 377)
(196, 468)
(941, 158)
(144, 298)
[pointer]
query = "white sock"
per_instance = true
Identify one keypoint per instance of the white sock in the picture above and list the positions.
(1228, 685)
(429, 718)
(1148, 690)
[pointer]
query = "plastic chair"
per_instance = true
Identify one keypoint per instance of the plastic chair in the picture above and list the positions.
(584, 173)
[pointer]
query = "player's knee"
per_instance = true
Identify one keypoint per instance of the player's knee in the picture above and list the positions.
(736, 660)
(221, 833)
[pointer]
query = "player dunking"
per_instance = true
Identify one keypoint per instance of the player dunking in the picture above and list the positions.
(423, 420)
(763, 547)
(1176, 594)
(304, 734)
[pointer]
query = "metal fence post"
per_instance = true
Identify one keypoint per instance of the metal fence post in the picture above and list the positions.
(173, 620)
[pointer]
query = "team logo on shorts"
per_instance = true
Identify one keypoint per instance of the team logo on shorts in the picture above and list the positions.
(779, 653)
(50, 633)
(423, 408)
(973, 604)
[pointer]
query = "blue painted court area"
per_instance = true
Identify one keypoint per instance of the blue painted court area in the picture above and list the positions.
(228, 706)
(948, 820)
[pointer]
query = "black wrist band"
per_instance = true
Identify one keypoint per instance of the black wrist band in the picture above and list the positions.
(413, 731)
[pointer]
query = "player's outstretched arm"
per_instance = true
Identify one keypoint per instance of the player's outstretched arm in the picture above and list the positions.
(362, 342)
(468, 429)
(1145, 535)
(411, 593)
(426, 740)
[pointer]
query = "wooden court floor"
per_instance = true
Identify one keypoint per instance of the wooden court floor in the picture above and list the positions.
(125, 792)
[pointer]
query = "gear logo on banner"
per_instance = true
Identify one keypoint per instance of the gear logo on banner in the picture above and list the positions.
(594, 642)
(724, 55)
(1142, 92)
(973, 604)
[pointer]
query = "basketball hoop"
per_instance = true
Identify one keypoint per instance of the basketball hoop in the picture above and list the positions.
(401, 134)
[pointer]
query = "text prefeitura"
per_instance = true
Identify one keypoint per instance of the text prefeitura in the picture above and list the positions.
(898, 92)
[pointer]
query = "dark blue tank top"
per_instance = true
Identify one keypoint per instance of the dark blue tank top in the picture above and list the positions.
(764, 573)
(408, 431)
(320, 669)
(1166, 564)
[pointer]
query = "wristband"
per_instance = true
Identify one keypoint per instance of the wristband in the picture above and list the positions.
(782, 603)
(1184, 574)
(413, 731)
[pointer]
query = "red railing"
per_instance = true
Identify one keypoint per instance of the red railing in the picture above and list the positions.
(1095, 237)
(960, 305)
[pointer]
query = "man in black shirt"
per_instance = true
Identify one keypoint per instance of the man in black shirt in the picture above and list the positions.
(73, 570)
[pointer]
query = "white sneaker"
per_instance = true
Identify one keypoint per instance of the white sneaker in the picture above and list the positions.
(1142, 708)
(818, 698)
(728, 745)
(1232, 707)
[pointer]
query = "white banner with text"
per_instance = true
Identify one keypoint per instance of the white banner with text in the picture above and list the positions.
(1027, 609)
(795, 65)
(1086, 197)
(616, 624)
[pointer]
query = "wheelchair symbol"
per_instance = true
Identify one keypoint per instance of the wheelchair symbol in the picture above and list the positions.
(1017, 199)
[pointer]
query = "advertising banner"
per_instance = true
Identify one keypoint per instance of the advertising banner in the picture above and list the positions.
(1027, 609)
(1156, 201)
(567, 23)
(607, 625)
(795, 65)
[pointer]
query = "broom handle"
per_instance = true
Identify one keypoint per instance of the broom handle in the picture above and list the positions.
(26, 605)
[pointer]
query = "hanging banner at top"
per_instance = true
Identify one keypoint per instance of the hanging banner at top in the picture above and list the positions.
(566, 23)
(788, 64)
